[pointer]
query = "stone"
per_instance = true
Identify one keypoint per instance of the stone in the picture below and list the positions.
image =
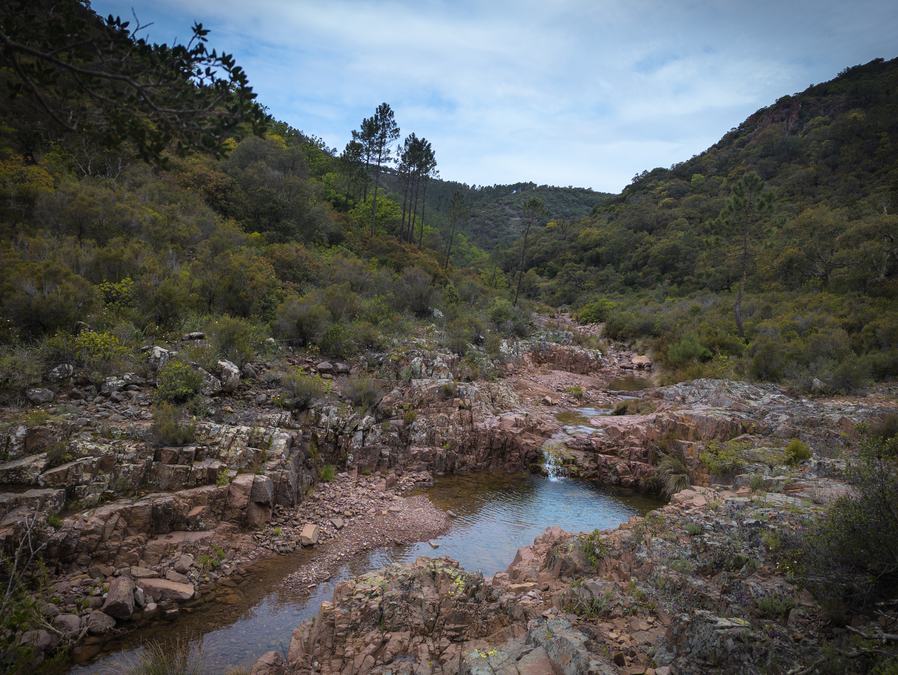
(157, 357)
(338, 523)
(165, 589)
(172, 575)
(239, 492)
(41, 640)
(308, 536)
(270, 663)
(641, 361)
(23, 471)
(140, 598)
(143, 573)
(184, 563)
(99, 623)
(120, 599)
(342, 368)
(325, 368)
(194, 335)
(61, 372)
(229, 374)
(38, 395)
(67, 624)
(262, 491)
(211, 385)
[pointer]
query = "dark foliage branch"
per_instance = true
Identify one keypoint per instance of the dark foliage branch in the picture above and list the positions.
(84, 74)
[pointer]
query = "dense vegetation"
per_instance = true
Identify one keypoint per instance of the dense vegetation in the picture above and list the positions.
(243, 230)
(665, 260)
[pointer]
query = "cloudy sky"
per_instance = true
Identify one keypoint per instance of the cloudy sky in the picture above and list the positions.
(565, 92)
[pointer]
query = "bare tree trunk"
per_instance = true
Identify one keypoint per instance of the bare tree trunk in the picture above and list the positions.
(423, 206)
(517, 290)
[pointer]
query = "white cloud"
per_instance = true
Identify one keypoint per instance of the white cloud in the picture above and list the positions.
(584, 92)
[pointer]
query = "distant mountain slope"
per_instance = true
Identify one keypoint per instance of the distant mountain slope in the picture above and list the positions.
(828, 155)
(495, 211)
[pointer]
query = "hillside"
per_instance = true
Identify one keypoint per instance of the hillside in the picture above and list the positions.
(821, 262)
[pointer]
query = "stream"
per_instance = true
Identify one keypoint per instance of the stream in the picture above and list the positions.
(495, 515)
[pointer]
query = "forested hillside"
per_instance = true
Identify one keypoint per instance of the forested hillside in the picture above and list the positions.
(150, 199)
(798, 205)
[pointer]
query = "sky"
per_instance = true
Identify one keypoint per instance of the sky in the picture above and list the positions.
(560, 92)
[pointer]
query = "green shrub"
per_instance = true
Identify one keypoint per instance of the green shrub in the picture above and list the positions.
(595, 311)
(673, 474)
(171, 425)
(338, 341)
(723, 459)
(363, 392)
(99, 350)
(301, 321)
(850, 558)
(302, 389)
(775, 607)
(576, 391)
(178, 382)
(235, 339)
(223, 478)
(593, 547)
(328, 472)
(20, 368)
(686, 350)
(797, 451)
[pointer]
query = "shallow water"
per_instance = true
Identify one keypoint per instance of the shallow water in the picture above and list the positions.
(495, 515)
(630, 383)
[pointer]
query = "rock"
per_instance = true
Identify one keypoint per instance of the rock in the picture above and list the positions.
(308, 536)
(325, 368)
(211, 385)
(262, 491)
(229, 374)
(337, 522)
(140, 598)
(99, 623)
(270, 663)
(41, 640)
(120, 599)
(194, 335)
(172, 575)
(165, 589)
(61, 372)
(38, 395)
(342, 368)
(184, 563)
(143, 573)
(67, 624)
(157, 357)
(23, 471)
(641, 362)
(239, 492)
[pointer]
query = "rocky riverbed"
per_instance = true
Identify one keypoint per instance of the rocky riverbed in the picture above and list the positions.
(133, 532)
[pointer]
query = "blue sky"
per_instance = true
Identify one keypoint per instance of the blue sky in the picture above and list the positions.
(564, 92)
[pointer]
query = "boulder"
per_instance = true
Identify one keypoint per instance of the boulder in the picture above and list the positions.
(325, 368)
(262, 491)
(38, 395)
(41, 640)
(23, 471)
(120, 599)
(308, 536)
(61, 372)
(184, 563)
(270, 663)
(158, 357)
(239, 492)
(194, 335)
(229, 374)
(641, 361)
(342, 368)
(172, 575)
(166, 589)
(211, 385)
(67, 624)
(99, 623)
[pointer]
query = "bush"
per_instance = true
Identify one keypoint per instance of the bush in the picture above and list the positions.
(235, 339)
(20, 368)
(301, 320)
(595, 311)
(303, 389)
(328, 471)
(178, 382)
(686, 350)
(414, 291)
(797, 451)
(171, 426)
(850, 560)
(364, 392)
(673, 474)
(338, 341)
(722, 459)
(99, 351)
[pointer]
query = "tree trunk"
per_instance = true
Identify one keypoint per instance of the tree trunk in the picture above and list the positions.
(423, 206)
(517, 290)
(374, 199)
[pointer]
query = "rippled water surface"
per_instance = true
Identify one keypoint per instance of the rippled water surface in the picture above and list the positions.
(494, 517)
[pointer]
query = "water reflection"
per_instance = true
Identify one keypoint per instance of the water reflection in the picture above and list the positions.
(495, 515)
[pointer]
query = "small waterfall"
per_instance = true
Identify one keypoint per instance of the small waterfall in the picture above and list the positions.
(551, 465)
